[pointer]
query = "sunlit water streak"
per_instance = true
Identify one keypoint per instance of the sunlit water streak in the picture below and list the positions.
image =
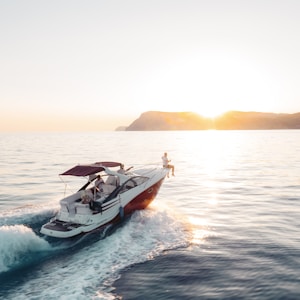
(226, 226)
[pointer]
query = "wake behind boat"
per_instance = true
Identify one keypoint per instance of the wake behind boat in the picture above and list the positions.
(107, 202)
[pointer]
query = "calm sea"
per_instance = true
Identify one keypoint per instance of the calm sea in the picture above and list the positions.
(227, 226)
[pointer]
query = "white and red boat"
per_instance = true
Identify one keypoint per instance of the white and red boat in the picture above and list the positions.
(120, 195)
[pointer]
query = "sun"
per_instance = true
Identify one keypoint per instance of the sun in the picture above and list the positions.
(210, 110)
(210, 113)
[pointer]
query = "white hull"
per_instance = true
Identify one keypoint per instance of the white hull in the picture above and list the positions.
(75, 218)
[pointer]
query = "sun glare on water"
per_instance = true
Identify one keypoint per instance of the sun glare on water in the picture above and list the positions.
(200, 230)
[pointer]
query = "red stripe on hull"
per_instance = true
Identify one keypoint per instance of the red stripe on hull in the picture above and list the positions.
(143, 199)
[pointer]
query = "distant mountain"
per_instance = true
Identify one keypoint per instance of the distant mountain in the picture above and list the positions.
(257, 120)
(156, 120)
(121, 128)
(232, 120)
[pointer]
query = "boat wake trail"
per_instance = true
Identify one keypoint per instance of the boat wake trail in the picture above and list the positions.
(18, 245)
(93, 261)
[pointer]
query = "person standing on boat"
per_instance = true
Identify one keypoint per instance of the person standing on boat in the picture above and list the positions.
(121, 170)
(99, 184)
(166, 163)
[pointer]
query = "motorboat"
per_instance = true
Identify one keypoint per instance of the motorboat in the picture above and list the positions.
(121, 193)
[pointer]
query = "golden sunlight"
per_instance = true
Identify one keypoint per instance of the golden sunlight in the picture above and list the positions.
(199, 230)
(208, 86)
(211, 108)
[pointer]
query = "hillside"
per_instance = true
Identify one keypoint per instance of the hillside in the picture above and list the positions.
(233, 120)
(155, 120)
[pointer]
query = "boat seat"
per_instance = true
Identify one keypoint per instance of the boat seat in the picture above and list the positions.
(112, 180)
(64, 207)
(83, 209)
(108, 188)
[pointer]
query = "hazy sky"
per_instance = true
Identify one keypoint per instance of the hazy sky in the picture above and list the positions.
(95, 65)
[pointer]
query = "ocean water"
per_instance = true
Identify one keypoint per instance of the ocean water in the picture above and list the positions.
(225, 227)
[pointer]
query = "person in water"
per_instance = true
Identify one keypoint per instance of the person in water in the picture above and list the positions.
(166, 164)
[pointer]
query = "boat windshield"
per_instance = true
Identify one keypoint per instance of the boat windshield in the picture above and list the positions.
(140, 179)
(133, 182)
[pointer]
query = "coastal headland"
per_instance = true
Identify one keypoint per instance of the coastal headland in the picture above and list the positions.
(232, 120)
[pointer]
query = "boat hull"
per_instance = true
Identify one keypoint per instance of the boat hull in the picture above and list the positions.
(114, 214)
(144, 199)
